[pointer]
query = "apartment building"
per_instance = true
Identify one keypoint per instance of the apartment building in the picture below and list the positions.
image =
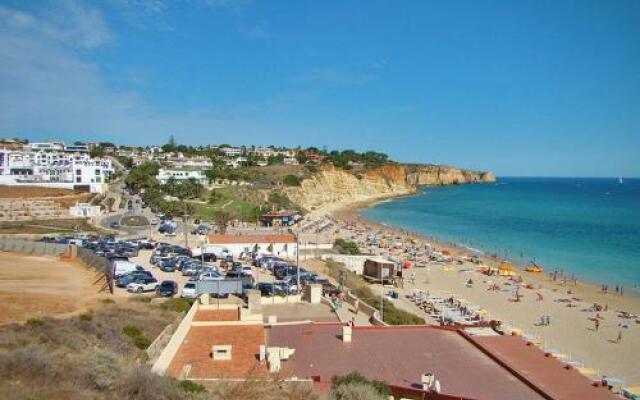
(54, 168)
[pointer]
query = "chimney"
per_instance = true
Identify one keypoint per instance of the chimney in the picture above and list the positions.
(346, 333)
(221, 352)
(427, 381)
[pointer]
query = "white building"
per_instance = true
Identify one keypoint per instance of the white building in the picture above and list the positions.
(279, 244)
(42, 146)
(54, 169)
(180, 175)
(236, 162)
(231, 151)
(84, 210)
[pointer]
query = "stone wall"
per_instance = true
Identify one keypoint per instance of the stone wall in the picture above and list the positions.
(27, 210)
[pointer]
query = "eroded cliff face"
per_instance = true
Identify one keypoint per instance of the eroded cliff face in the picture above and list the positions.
(332, 185)
(443, 175)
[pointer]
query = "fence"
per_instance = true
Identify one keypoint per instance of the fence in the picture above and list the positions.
(32, 247)
(100, 264)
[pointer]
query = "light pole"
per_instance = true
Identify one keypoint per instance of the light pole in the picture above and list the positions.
(297, 263)
(295, 234)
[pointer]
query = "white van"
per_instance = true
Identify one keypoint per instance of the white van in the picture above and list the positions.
(121, 267)
(211, 249)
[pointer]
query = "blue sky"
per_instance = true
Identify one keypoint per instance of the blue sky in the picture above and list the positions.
(544, 88)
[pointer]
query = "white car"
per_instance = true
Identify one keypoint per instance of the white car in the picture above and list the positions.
(211, 276)
(189, 291)
(143, 284)
(154, 221)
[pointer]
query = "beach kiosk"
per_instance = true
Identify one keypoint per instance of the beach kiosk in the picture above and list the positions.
(379, 270)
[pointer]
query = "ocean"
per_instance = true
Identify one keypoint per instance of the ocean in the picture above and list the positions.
(587, 227)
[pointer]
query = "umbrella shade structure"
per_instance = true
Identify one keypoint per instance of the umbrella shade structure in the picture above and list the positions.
(506, 269)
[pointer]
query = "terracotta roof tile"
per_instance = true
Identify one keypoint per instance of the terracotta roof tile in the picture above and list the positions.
(194, 353)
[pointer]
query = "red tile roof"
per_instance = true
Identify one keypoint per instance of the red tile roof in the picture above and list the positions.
(547, 373)
(217, 315)
(265, 238)
(399, 356)
(195, 352)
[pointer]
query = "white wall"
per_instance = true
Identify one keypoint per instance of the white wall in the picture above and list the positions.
(279, 249)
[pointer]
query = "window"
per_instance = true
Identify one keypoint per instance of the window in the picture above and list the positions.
(78, 172)
(97, 172)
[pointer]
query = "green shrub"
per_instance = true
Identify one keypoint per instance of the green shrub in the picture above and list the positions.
(347, 247)
(341, 385)
(291, 180)
(142, 342)
(191, 387)
(34, 322)
(132, 331)
(178, 305)
(85, 317)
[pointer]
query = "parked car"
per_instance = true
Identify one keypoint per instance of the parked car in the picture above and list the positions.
(269, 289)
(142, 285)
(167, 265)
(167, 288)
(189, 291)
(126, 279)
(200, 230)
(211, 275)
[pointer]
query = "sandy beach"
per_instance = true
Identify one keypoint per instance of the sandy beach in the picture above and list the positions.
(571, 333)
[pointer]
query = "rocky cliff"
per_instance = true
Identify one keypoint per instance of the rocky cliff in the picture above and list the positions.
(426, 174)
(334, 186)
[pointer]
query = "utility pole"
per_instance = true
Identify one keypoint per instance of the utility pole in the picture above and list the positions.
(382, 301)
(298, 262)
(184, 227)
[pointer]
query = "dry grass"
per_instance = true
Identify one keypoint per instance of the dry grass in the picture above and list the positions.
(92, 356)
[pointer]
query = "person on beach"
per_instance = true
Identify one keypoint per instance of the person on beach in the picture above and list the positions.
(619, 338)
(540, 298)
(597, 324)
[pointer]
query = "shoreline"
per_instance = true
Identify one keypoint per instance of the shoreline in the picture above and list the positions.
(352, 211)
(572, 335)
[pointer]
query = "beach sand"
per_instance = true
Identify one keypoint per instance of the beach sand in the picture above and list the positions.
(571, 331)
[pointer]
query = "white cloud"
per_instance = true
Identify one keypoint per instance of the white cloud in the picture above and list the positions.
(71, 23)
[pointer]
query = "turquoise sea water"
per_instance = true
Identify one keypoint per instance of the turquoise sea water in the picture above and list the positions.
(587, 227)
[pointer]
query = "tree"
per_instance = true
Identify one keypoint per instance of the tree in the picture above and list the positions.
(275, 160)
(97, 152)
(222, 219)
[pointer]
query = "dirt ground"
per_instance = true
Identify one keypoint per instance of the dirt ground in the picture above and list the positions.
(37, 286)
(33, 191)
